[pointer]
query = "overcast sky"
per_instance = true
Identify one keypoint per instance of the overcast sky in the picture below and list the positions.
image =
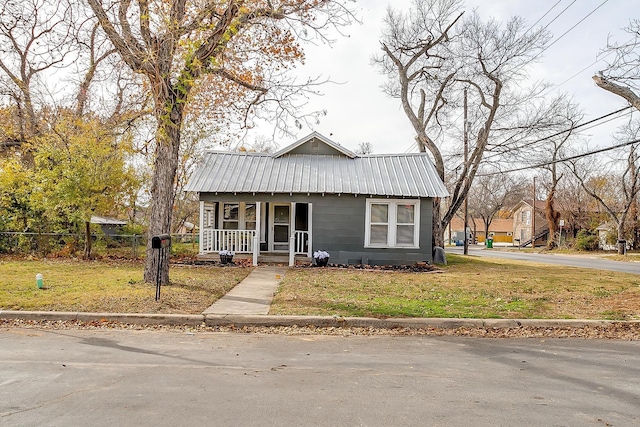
(358, 111)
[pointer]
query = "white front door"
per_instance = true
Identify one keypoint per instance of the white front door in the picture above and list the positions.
(280, 226)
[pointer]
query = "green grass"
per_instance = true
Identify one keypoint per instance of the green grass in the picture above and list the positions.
(98, 286)
(468, 287)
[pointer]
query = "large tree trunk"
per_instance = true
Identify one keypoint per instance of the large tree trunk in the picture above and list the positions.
(438, 227)
(162, 193)
(553, 218)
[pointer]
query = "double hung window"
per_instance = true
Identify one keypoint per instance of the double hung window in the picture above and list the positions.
(392, 223)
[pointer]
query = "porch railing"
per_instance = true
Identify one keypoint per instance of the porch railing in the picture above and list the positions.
(301, 243)
(239, 241)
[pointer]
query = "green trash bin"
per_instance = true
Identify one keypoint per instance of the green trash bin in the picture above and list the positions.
(490, 243)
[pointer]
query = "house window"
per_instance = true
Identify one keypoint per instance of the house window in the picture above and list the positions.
(230, 216)
(238, 216)
(392, 223)
(250, 216)
(526, 217)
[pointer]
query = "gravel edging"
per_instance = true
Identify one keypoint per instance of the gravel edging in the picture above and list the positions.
(329, 325)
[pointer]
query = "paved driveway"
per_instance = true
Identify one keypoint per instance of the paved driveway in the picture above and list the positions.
(582, 261)
(100, 378)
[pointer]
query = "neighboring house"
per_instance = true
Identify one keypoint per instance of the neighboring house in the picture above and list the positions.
(603, 231)
(500, 229)
(109, 226)
(523, 223)
(317, 195)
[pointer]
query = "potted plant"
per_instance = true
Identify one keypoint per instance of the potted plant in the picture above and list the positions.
(226, 256)
(321, 258)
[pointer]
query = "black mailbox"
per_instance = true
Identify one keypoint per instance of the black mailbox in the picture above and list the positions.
(161, 241)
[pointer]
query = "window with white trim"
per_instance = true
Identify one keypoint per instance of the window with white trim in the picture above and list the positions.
(238, 216)
(392, 223)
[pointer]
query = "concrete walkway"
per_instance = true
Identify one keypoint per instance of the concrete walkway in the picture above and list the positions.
(251, 296)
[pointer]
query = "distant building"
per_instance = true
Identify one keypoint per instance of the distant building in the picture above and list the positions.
(500, 229)
(109, 226)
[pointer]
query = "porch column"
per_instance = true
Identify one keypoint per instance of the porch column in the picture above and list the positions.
(201, 232)
(256, 238)
(309, 228)
(292, 238)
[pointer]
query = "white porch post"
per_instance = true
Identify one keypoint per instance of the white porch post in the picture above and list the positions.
(256, 238)
(292, 239)
(201, 232)
(309, 228)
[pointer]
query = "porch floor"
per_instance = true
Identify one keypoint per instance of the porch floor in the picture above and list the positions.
(263, 258)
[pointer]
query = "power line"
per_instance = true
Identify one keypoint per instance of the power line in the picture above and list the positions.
(566, 159)
(565, 131)
(574, 26)
(577, 23)
(545, 14)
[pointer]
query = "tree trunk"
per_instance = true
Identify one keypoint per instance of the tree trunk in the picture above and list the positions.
(87, 240)
(438, 225)
(621, 242)
(553, 217)
(162, 193)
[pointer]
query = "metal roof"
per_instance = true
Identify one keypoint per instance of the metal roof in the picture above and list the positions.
(397, 175)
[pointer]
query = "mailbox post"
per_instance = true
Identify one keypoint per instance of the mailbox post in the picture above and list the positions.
(160, 242)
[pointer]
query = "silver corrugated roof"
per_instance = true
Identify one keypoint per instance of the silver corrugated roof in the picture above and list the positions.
(398, 175)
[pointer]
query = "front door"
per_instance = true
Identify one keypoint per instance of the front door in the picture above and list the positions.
(280, 227)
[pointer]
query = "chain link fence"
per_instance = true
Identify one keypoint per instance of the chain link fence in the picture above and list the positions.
(102, 245)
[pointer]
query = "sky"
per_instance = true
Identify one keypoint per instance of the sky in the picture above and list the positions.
(358, 111)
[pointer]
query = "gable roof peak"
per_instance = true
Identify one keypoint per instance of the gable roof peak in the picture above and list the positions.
(319, 137)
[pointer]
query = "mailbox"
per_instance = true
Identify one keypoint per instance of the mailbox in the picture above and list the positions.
(161, 241)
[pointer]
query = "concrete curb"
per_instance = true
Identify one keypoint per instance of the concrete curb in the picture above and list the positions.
(238, 320)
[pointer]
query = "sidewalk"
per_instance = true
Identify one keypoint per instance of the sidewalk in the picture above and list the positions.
(251, 296)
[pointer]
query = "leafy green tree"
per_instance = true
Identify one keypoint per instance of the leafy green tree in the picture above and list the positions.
(81, 169)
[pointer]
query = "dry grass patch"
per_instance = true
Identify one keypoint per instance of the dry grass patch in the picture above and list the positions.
(98, 286)
(468, 287)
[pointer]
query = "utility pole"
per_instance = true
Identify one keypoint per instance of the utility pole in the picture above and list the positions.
(464, 169)
(533, 216)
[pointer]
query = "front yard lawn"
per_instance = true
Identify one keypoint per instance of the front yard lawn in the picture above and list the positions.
(114, 286)
(468, 287)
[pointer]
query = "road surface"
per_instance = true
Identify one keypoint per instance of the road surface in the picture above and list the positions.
(147, 378)
(582, 261)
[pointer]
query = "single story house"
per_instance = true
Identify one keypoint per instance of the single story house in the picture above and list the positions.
(317, 195)
(500, 229)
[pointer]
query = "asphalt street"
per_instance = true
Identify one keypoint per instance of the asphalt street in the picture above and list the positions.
(150, 378)
(581, 261)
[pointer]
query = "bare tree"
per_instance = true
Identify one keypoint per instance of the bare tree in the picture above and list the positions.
(430, 54)
(238, 48)
(34, 40)
(491, 193)
(619, 198)
(364, 148)
(562, 116)
(621, 77)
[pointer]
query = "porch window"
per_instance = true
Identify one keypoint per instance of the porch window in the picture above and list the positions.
(250, 216)
(238, 216)
(230, 216)
(392, 223)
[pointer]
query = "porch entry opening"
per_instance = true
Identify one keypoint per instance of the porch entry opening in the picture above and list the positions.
(281, 215)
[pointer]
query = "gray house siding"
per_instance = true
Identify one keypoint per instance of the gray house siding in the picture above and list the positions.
(338, 226)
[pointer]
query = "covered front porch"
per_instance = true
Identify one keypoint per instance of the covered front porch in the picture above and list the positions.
(266, 231)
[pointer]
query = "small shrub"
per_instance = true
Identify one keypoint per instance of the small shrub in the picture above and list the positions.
(586, 241)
